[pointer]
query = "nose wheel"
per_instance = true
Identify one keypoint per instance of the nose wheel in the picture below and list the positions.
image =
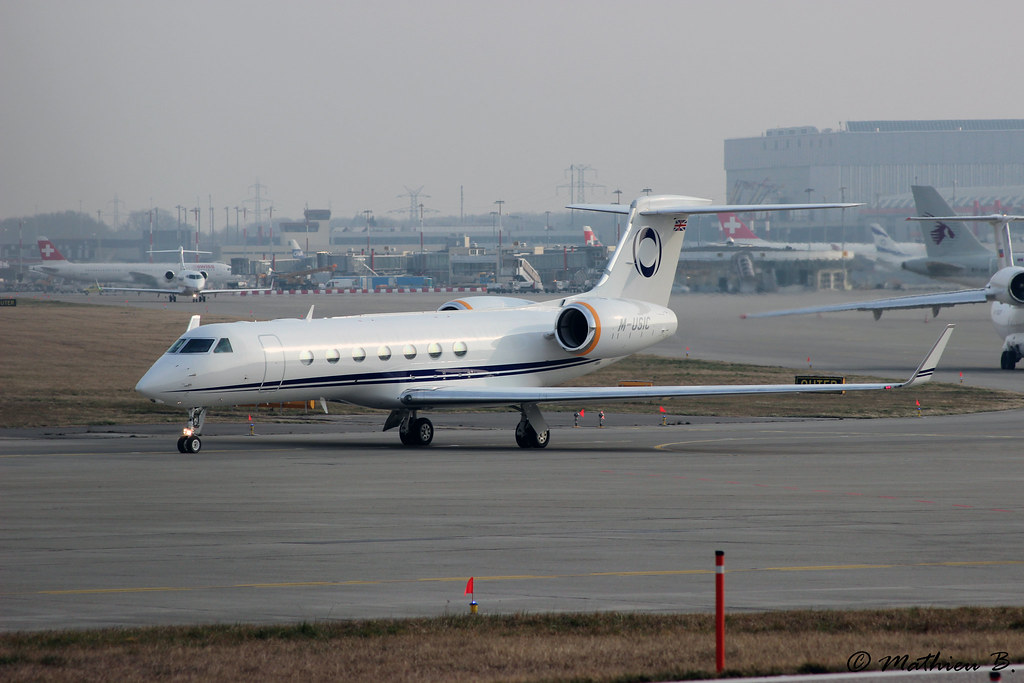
(189, 441)
(189, 444)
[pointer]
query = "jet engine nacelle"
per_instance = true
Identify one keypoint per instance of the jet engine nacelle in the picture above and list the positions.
(612, 327)
(484, 303)
(1007, 286)
(169, 276)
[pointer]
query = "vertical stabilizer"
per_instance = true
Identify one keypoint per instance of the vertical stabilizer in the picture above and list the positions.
(733, 228)
(48, 250)
(942, 240)
(643, 266)
(883, 243)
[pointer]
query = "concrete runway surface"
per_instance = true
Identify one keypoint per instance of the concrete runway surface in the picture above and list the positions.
(335, 520)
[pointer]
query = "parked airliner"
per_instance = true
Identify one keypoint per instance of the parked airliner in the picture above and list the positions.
(1004, 289)
(150, 274)
(952, 255)
(476, 351)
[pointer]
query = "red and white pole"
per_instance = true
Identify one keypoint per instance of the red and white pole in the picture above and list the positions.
(719, 610)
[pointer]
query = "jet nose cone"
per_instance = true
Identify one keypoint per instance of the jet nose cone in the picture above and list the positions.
(151, 386)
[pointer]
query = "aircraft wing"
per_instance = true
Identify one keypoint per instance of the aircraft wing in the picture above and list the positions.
(444, 396)
(179, 291)
(933, 301)
(154, 290)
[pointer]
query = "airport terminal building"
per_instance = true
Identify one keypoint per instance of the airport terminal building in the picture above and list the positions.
(978, 165)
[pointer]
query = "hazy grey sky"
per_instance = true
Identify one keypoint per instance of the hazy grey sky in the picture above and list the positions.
(345, 104)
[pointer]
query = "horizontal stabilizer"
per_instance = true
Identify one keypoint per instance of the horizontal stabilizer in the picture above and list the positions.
(694, 209)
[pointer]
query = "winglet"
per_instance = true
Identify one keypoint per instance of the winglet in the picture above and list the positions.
(927, 367)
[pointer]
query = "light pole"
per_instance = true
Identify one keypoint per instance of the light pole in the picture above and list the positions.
(810, 217)
(367, 213)
(497, 264)
(199, 214)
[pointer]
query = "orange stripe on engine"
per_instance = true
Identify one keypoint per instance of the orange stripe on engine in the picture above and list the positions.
(597, 330)
(460, 301)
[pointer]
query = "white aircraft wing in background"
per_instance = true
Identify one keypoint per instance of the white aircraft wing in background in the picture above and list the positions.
(898, 303)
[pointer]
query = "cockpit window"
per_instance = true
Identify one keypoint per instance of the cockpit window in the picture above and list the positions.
(176, 345)
(223, 346)
(197, 345)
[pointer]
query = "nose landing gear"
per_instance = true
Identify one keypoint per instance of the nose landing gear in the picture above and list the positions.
(189, 441)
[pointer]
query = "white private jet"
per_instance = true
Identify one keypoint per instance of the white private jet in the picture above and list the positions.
(476, 351)
(188, 281)
(1004, 289)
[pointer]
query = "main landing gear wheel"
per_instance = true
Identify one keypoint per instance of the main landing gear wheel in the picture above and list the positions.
(528, 437)
(1008, 360)
(416, 432)
(189, 444)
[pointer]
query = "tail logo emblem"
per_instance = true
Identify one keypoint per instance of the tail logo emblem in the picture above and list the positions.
(647, 252)
(941, 232)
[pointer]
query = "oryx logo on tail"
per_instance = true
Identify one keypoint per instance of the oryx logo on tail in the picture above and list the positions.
(941, 232)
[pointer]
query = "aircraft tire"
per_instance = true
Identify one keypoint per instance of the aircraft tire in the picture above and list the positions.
(192, 445)
(1008, 360)
(422, 432)
(528, 437)
(405, 433)
(521, 434)
(181, 444)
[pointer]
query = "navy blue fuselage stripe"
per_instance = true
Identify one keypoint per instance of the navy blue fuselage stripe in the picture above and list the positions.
(403, 376)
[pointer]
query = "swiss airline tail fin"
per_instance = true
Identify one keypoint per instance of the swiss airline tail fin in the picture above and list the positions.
(590, 238)
(734, 228)
(48, 251)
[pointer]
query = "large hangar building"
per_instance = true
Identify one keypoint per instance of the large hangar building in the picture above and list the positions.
(977, 164)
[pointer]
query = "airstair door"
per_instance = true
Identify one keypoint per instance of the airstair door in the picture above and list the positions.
(273, 369)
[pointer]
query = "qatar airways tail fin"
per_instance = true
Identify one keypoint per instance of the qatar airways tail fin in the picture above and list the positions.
(590, 238)
(735, 229)
(48, 251)
(941, 240)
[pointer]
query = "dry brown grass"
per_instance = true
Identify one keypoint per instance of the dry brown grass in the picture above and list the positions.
(569, 647)
(69, 364)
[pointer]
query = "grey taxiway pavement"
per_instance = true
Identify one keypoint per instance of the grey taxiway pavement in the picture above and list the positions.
(334, 519)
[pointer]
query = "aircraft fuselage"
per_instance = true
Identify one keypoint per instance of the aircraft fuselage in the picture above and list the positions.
(370, 360)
